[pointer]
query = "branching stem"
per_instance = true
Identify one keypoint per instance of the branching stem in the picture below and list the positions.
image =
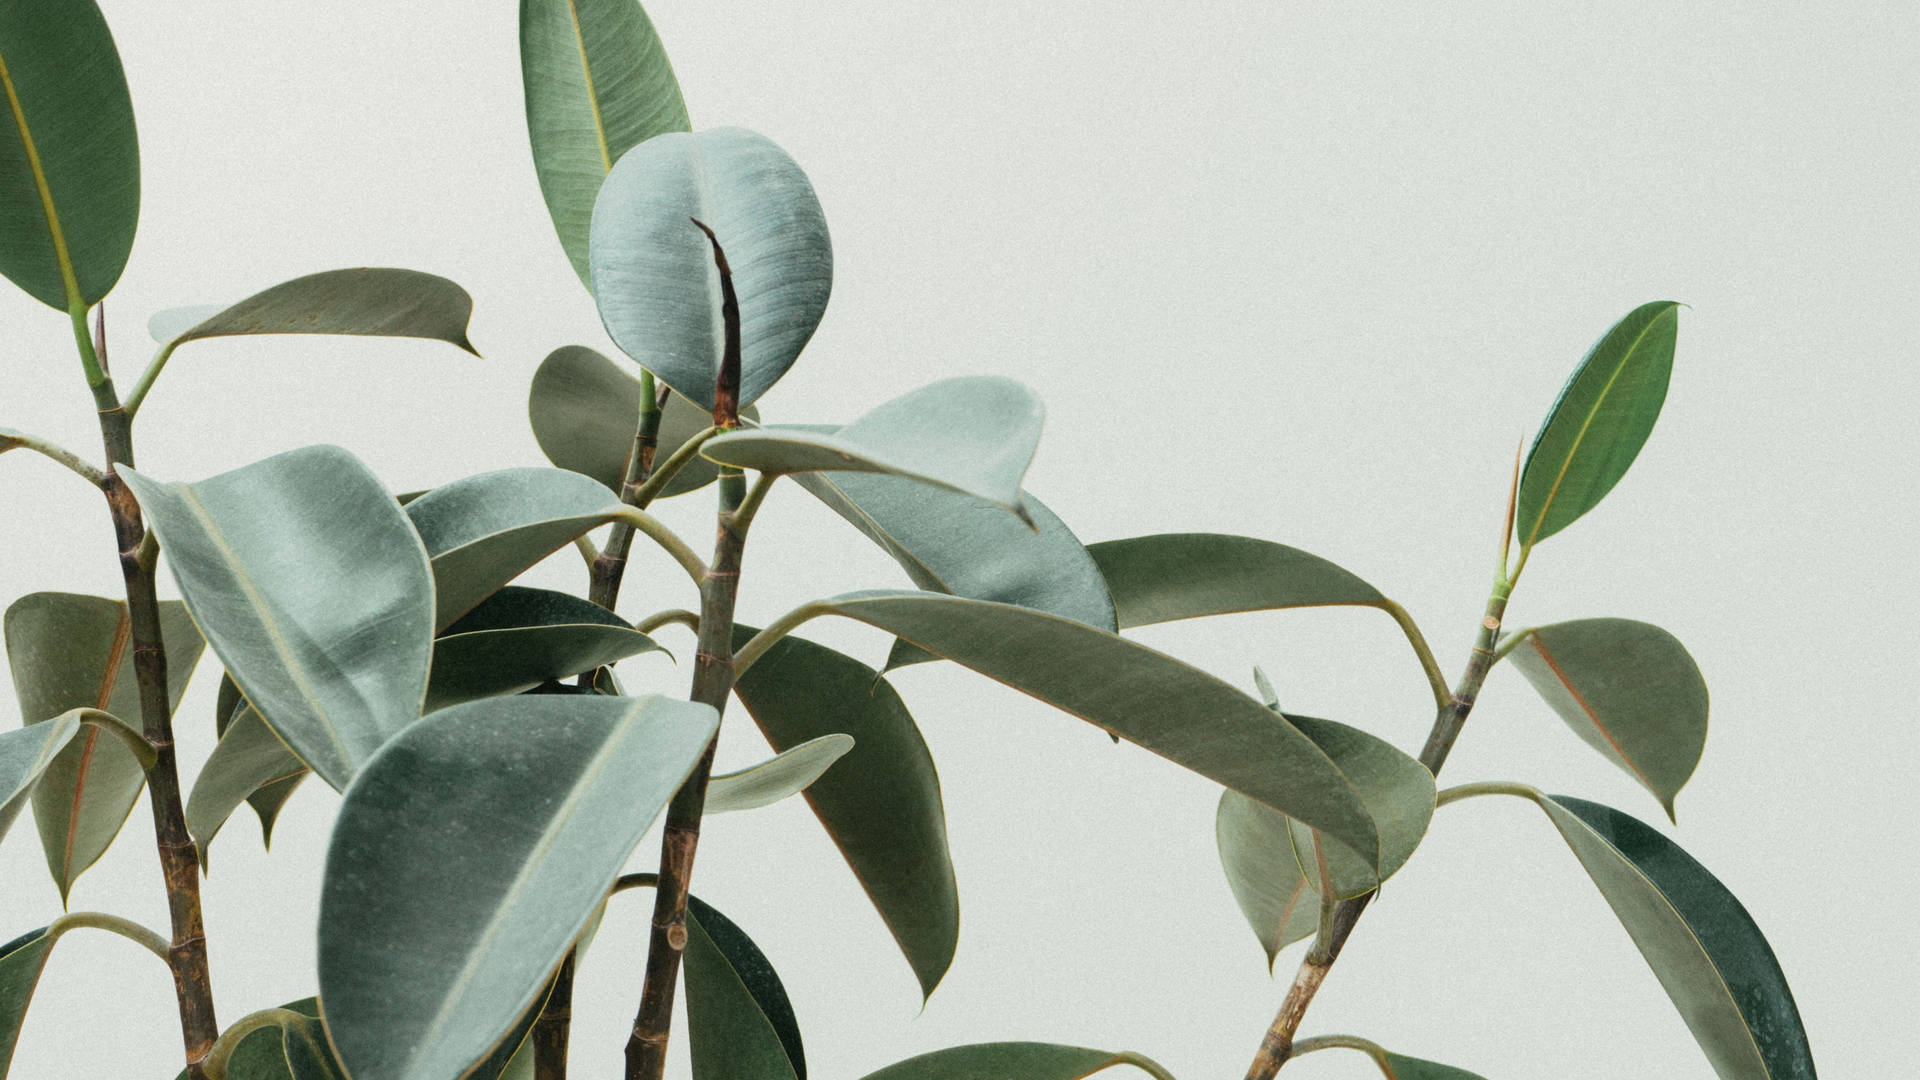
(223, 1047)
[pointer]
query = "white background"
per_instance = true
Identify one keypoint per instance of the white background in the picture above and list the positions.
(1307, 272)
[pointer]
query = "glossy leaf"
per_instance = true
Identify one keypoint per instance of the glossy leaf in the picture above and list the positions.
(25, 754)
(483, 531)
(249, 759)
(880, 804)
(653, 270)
(69, 157)
(470, 853)
(1004, 1061)
(974, 435)
(1629, 690)
(21, 961)
(369, 301)
(585, 408)
(1169, 576)
(68, 651)
(1144, 696)
(597, 84)
(739, 1022)
(1598, 425)
(519, 638)
(314, 592)
(788, 773)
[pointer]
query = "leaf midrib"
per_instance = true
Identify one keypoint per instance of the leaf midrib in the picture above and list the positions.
(1593, 715)
(60, 253)
(593, 96)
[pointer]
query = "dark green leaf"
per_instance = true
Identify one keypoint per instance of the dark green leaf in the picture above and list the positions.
(25, 754)
(69, 158)
(653, 270)
(739, 1022)
(21, 961)
(469, 854)
(314, 592)
(519, 638)
(369, 301)
(1169, 576)
(249, 760)
(1003, 1061)
(1402, 1067)
(1629, 690)
(788, 773)
(1598, 425)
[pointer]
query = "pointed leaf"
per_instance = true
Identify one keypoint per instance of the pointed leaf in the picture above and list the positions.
(739, 1021)
(69, 158)
(21, 961)
(653, 270)
(369, 301)
(25, 753)
(69, 651)
(266, 800)
(519, 638)
(469, 854)
(1402, 1067)
(785, 774)
(1003, 1061)
(597, 84)
(880, 804)
(314, 592)
(1169, 576)
(1598, 425)
(248, 760)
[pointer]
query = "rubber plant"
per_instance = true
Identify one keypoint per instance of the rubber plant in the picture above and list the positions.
(495, 776)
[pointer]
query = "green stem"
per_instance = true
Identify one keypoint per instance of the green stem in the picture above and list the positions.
(743, 517)
(584, 544)
(215, 1063)
(1436, 678)
(120, 729)
(1348, 1042)
(1486, 787)
(633, 881)
(657, 482)
(96, 372)
(641, 521)
(11, 439)
(145, 383)
(758, 644)
(663, 618)
(99, 920)
(1144, 1063)
(1512, 642)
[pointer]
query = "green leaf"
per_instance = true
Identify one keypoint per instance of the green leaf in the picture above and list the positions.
(784, 774)
(1273, 863)
(68, 651)
(1169, 576)
(585, 408)
(974, 435)
(597, 84)
(519, 638)
(653, 270)
(249, 759)
(369, 301)
(1598, 425)
(313, 590)
(1629, 690)
(1004, 1061)
(880, 804)
(469, 854)
(1402, 1067)
(21, 961)
(268, 799)
(1147, 697)
(25, 754)
(483, 531)
(739, 1022)
(69, 158)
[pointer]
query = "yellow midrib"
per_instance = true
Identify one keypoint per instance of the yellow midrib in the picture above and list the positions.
(60, 254)
(593, 97)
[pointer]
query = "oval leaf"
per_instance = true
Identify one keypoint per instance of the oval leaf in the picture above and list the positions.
(739, 1021)
(69, 158)
(25, 753)
(467, 857)
(519, 638)
(1629, 690)
(597, 84)
(785, 774)
(1004, 1061)
(653, 270)
(1598, 425)
(369, 301)
(1170, 576)
(21, 961)
(313, 591)
(249, 759)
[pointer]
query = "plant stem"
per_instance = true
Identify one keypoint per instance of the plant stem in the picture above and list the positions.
(667, 618)
(126, 928)
(11, 440)
(1435, 677)
(230, 1039)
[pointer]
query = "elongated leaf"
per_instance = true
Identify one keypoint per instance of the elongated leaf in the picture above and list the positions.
(69, 158)
(369, 301)
(69, 651)
(467, 857)
(739, 1021)
(1169, 576)
(1598, 425)
(653, 270)
(974, 435)
(880, 804)
(585, 408)
(248, 760)
(785, 774)
(597, 84)
(1004, 1061)
(1147, 697)
(314, 592)
(25, 754)
(483, 531)
(1629, 690)
(268, 799)
(519, 638)
(21, 961)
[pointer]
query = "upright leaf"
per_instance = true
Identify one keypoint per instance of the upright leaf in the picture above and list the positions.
(1005, 1061)
(314, 592)
(740, 1024)
(787, 773)
(1170, 576)
(69, 158)
(597, 84)
(1629, 690)
(368, 301)
(519, 638)
(467, 857)
(653, 270)
(1598, 425)
(21, 961)
(25, 754)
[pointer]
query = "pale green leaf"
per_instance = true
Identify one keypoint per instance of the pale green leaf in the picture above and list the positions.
(25, 754)
(21, 961)
(1169, 576)
(369, 301)
(248, 760)
(787, 773)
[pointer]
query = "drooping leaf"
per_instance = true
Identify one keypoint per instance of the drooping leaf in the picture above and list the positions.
(248, 760)
(1169, 576)
(784, 774)
(880, 804)
(483, 531)
(266, 800)
(369, 301)
(25, 754)
(653, 270)
(1598, 425)
(597, 84)
(21, 961)
(974, 434)
(740, 1024)
(519, 638)
(314, 592)
(585, 408)
(469, 854)
(69, 158)
(1004, 1061)
(69, 651)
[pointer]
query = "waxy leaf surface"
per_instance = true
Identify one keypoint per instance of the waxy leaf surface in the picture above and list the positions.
(25, 754)
(69, 158)
(1598, 425)
(519, 638)
(1003, 1061)
(21, 961)
(268, 799)
(740, 1024)
(787, 773)
(1629, 690)
(313, 590)
(370, 301)
(1169, 576)
(653, 270)
(470, 853)
(248, 760)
